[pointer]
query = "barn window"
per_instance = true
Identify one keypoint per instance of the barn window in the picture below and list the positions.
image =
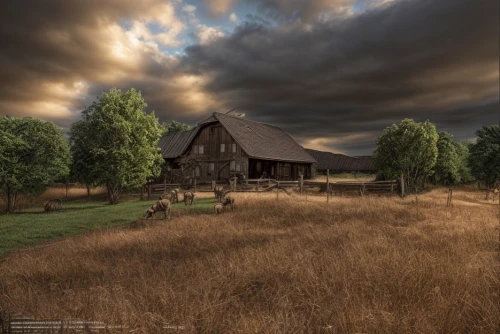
(238, 167)
(232, 165)
(222, 148)
(233, 148)
(200, 149)
(258, 166)
(211, 166)
(195, 149)
(212, 130)
(197, 171)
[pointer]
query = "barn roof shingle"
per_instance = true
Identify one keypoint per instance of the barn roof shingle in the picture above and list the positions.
(263, 141)
(341, 162)
(175, 144)
(258, 140)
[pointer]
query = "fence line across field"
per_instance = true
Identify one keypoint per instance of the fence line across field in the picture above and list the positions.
(263, 185)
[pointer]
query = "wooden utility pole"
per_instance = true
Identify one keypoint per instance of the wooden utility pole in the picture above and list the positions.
(328, 185)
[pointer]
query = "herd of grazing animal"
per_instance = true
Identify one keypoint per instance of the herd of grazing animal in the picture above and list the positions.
(225, 201)
(164, 204)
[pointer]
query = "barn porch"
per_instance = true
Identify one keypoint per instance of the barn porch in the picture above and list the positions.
(278, 170)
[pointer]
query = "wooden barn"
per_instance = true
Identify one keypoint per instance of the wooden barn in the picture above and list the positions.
(341, 163)
(224, 146)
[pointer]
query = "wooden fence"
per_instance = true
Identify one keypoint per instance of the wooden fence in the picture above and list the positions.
(30, 326)
(16, 325)
(158, 189)
(261, 185)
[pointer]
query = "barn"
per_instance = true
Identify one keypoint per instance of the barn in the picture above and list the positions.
(341, 163)
(223, 146)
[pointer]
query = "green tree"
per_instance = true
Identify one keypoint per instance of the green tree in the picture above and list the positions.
(485, 155)
(462, 149)
(408, 149)
(446, 168)
(115, 143)
(174, 127)
(33, 154)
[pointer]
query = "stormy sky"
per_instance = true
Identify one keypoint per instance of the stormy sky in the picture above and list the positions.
(332, 73)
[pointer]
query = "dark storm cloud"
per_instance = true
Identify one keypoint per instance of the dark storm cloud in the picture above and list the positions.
(332, 80)
(419, 59)
(51, 51)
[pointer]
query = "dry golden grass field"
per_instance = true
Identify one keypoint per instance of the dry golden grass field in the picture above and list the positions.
(355, 265)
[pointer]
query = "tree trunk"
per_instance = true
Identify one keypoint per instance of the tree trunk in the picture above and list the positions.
(88, 191)
(113, 194)
(11, 201)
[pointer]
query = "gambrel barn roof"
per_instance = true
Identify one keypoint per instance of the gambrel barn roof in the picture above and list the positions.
(258, 140)
(342, 162)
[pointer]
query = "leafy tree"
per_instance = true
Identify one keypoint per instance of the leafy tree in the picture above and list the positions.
(33, 154)
(115, 143)
(174, 127)
(408, 149)
(485, 155)
(446, 168)
(462, 149)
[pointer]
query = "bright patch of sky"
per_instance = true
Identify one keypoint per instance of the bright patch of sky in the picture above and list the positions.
(198, 25)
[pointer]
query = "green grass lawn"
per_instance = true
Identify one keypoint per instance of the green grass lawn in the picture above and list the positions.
(35, 226)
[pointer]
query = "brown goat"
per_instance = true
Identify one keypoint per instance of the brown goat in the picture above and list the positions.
(188, 198)
(228, 201)
(219, 193)
(163, 205)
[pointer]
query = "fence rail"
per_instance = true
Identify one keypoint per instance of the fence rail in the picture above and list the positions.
(261, 185)
(22, 325)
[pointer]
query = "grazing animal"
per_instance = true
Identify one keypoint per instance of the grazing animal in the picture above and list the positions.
(163, 205)
(174, 196)
(219, 193)
(188, 198)
(228, 201)
(53, 204)
(218, 208)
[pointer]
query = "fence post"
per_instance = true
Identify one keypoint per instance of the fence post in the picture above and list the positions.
(277, 190)
(149, 191)
(402, 183)
(301, 184)
(213, 185)
(235, 180)
(327, 185)
(194, 184)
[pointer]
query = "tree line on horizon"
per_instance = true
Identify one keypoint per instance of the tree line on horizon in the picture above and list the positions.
(115, 145)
